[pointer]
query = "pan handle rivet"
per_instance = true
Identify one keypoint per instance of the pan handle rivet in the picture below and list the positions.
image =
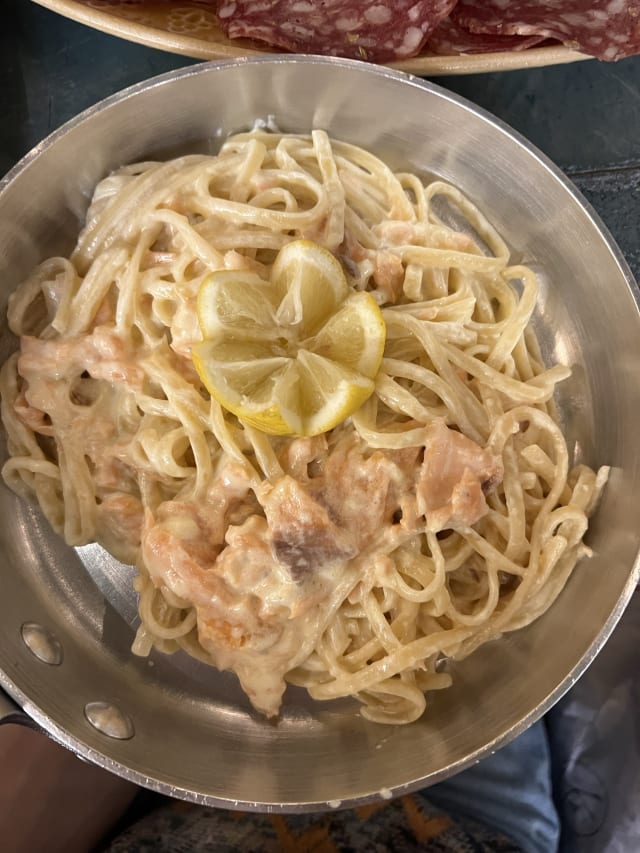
(109, 720)
(42, 643)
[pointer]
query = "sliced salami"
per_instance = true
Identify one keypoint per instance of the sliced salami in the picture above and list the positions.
(608, 29)
(450, 38)
(373, 30)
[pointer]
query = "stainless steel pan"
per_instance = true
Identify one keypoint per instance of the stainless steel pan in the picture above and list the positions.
(66, 616)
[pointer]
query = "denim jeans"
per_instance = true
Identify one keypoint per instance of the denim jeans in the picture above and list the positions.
(509, 791)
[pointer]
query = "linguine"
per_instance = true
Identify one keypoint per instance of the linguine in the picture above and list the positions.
(442, 514)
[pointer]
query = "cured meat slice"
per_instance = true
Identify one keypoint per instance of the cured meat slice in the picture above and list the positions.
(373, 30)
(608, 29)
(450, 37)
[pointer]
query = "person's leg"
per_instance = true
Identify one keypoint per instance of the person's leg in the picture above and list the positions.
(594, 733)
(509, 791)
(51, 800)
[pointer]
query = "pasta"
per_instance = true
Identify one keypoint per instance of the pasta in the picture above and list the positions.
(443, 513)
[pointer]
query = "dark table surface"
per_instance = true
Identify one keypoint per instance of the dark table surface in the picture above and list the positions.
(585, 116)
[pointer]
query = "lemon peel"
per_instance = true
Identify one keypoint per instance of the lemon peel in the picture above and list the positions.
(295, 355)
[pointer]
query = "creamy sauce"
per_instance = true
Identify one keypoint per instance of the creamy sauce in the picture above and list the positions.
(264, 585)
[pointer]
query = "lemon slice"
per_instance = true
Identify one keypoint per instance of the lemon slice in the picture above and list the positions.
(295, 355)
(309, 284)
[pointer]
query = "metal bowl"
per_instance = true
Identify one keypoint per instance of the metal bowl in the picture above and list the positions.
(66, 616)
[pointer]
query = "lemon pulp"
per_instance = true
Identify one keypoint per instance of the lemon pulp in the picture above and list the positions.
(295, 355)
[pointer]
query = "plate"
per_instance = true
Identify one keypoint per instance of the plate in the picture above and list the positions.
(189, 27)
